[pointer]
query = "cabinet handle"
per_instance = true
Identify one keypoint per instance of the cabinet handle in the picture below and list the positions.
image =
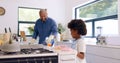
(67, 59)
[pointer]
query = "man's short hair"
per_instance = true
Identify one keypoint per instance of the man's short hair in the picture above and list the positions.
(41, 10)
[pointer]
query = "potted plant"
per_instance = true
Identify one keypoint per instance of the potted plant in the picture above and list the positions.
(61, 29)
(31, 29)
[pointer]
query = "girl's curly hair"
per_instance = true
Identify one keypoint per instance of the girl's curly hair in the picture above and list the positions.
(79, 25)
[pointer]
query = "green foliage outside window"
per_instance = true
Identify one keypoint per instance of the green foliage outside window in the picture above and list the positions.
(30, 15)
(100, 9)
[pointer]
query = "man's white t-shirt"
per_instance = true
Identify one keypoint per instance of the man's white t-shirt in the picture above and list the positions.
(80, 46)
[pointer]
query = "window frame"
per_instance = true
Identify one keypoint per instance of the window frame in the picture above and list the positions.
(94, 19)
(26, 22)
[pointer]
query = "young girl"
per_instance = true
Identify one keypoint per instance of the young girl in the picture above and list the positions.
(78, 28)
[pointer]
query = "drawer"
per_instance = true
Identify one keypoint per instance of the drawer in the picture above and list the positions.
(67, 57)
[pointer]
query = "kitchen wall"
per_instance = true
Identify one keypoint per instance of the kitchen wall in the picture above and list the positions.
(56, 10)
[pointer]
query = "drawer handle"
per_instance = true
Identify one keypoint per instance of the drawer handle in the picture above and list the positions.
(67, 59)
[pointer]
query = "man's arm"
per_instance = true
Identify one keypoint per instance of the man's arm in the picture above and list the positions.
(35, 33)
(54, 29)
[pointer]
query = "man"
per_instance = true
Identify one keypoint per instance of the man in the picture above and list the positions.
(44, 27)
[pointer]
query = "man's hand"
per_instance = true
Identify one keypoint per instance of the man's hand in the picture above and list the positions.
(32, 41)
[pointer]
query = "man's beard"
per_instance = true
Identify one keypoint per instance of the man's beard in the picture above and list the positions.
(43, 20)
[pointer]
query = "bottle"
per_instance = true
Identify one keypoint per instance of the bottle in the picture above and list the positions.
(52, 42)
(57, 38)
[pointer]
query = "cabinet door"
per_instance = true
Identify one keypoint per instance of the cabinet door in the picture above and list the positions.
(100, 59)
(50, 59)
(8, 60)
(67, 58)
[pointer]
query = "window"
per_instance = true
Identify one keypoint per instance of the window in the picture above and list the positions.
(99, 13)
(89, 28)
(110, 29)
(97, 9)
(27, 27)
(26, 19)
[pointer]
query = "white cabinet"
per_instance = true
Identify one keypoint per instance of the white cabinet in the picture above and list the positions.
(67, 58)
(103, 54)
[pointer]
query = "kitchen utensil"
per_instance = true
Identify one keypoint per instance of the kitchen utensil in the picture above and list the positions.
(13, 47)
(9, 29)
(10, 45)
(5, 30)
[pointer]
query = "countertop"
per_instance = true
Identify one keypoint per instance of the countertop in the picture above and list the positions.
(56, 52)
(105, 46)
(29, 55)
